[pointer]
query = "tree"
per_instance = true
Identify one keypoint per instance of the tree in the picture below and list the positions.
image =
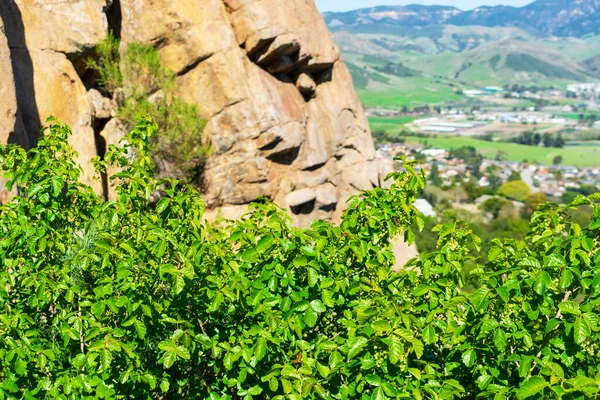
(534, 200)
(470, 156)
(514, 176)
(134, 298)
(472, 189)
(515, 190)
(557, 160)
(568, 196)
(495, 205)
(501, 155)
(559, 142)
(434, 175)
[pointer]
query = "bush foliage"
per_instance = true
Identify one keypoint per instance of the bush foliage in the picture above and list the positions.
(130, 299)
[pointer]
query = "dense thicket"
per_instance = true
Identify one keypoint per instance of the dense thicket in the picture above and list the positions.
(134, 298)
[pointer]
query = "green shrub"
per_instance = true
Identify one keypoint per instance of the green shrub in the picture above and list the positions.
(515, 190)
(149, 90)
(143, 72)
(107, 65)
(127, 299)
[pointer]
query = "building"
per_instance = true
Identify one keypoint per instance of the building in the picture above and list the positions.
(435, 153)
(440, 129)
(425, 208)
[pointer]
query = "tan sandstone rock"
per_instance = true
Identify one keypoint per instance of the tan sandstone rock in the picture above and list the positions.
(281, 109)
(8, 97)
(40, 32)
(56, 75)
(282, 116)
(57, 25)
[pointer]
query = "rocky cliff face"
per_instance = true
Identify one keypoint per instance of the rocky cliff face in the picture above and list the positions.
(283, 118)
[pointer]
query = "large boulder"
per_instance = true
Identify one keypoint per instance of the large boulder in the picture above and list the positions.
(282, 116)
(41, 34)
(63, 26)
(8, 104)
(8, 96)
(282, 113)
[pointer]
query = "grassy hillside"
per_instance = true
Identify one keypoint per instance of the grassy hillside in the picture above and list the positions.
(414, 66)
(390, 124)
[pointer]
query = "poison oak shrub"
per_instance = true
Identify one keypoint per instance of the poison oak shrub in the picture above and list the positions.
(126, 299)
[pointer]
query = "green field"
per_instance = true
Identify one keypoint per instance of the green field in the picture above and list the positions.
(578, 156)
(390, 124)
(410, 92)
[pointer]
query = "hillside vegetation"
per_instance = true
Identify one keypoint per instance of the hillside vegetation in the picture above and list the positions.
(138, 298)
(456, 49)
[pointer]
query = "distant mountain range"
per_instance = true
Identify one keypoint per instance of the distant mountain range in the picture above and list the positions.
(562, 18)
(414, 55)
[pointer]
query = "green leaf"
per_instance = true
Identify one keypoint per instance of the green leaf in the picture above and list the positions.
(395, 350)
(323, 370)
(581, 330)
(164, 385)
(162, 205)
(566, 278)
(249, 256)
(415, 372)
(531, 387)
(264, 243)
(373, 380)
(500, 340)
(318, 306)
(355, 346)
(9, 385)
(98, 309)
(310, 317)
(469, 357)
(542, 281)
(105, 358)
(300, 261)
(569, 307)
(273, 384)
(169, 358)
(260, 349)
(429, 334)
(313, 276)
(531, 262)
(140, 329)
(57, 185)
(479, 299)
(327, 298)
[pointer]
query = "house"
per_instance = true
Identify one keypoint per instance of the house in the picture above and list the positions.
(435, 153)
(425, 208)
(440, 129)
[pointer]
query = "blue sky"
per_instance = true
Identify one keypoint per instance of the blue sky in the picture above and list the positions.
(346, 5)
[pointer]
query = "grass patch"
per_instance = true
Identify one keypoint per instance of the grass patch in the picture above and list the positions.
(410, 92)
(525, 63)
(148, 89)
(390, 124)
(578, 156)
(362, 76)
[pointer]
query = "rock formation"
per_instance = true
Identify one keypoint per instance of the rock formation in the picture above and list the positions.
(283, 117)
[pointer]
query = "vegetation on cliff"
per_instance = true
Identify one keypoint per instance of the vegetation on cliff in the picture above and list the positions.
(134, 299)
(143, 86)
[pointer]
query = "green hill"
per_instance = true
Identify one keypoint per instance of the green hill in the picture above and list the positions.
(415, 66)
